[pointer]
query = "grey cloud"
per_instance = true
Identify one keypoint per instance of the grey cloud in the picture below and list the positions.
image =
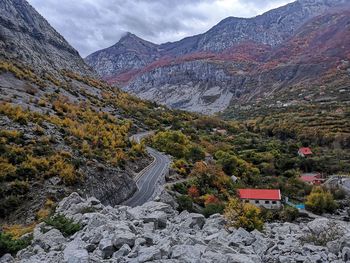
(90, 25)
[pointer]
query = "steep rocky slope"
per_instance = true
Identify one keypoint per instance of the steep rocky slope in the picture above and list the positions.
(155, 232)
(238, 60)
(26, 36)
(61, 130)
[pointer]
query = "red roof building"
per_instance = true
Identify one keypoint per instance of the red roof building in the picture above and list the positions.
(263, 194)
(313, 179)
(305, 151)
(268, 198)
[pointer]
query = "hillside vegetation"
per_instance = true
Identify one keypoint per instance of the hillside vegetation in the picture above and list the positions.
(214, 157)
(59, 133)
(69, 130)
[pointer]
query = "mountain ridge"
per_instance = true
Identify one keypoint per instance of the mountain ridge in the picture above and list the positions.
(205, 73)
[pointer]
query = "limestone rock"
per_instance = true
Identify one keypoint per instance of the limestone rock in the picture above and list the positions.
(157, 233)
(7, 258)
(53, 239)
(75, 253)
(107, 248)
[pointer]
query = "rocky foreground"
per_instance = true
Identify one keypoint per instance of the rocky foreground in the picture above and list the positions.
(155, 232)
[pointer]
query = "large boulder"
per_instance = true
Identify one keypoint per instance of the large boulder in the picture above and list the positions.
(146, 209)
(159, 219)
(188, 253)
(192, 220)
(7, 258)
(70, 205)
(318, 226)
(214, 224)
(149, 254)
(75, 252)
(50, 239)
(241, 258)
(107, 248)
(241, 236)
(123, 237)
(123, 251)
(346, 254)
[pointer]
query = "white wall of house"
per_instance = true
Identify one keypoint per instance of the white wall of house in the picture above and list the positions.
(269, 204)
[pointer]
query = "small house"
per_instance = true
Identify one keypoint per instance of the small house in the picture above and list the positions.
(219, 131)
(267, 198)
(234, 178)
(312, 178)
(305, 152)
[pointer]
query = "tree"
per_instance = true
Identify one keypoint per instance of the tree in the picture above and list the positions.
(243, 215)
(209, 177)
(320, 201)
(174, 143)
(196, 153)
(233, 165)
(289, 214)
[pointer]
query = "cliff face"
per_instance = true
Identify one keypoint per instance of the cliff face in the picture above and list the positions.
(26, 36)
(237, 61)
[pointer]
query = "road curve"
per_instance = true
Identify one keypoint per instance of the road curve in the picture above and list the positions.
(148, 177)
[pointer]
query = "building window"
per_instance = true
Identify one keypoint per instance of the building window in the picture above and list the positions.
(267, 202)
(274, 202)
(246, 201)
(257, 201)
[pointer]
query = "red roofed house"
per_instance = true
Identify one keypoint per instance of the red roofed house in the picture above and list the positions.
(305, 152)
(312, 178)
(268, 198)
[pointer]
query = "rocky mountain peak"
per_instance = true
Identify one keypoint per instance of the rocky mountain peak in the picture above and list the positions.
(132, 42)
(36, 42)
(129, 37)
(131, 51)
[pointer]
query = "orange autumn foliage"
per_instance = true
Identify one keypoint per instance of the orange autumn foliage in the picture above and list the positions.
(193, 192)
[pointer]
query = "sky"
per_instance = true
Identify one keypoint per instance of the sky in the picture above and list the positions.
(91, 25)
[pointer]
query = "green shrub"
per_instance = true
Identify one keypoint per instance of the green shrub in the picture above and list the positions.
(212, 209)
(180, 188)
(270, 215)
(9, 204)
(289, 214)
(63, 224)
(320, 201)
(185, 203)
(195, 153)
(19, 187)
(10, 245)
(243, 215)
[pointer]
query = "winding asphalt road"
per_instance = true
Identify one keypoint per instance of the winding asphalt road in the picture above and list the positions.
(146, 180)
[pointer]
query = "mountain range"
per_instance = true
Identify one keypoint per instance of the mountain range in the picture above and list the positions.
(273, 59)
(72, 165)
